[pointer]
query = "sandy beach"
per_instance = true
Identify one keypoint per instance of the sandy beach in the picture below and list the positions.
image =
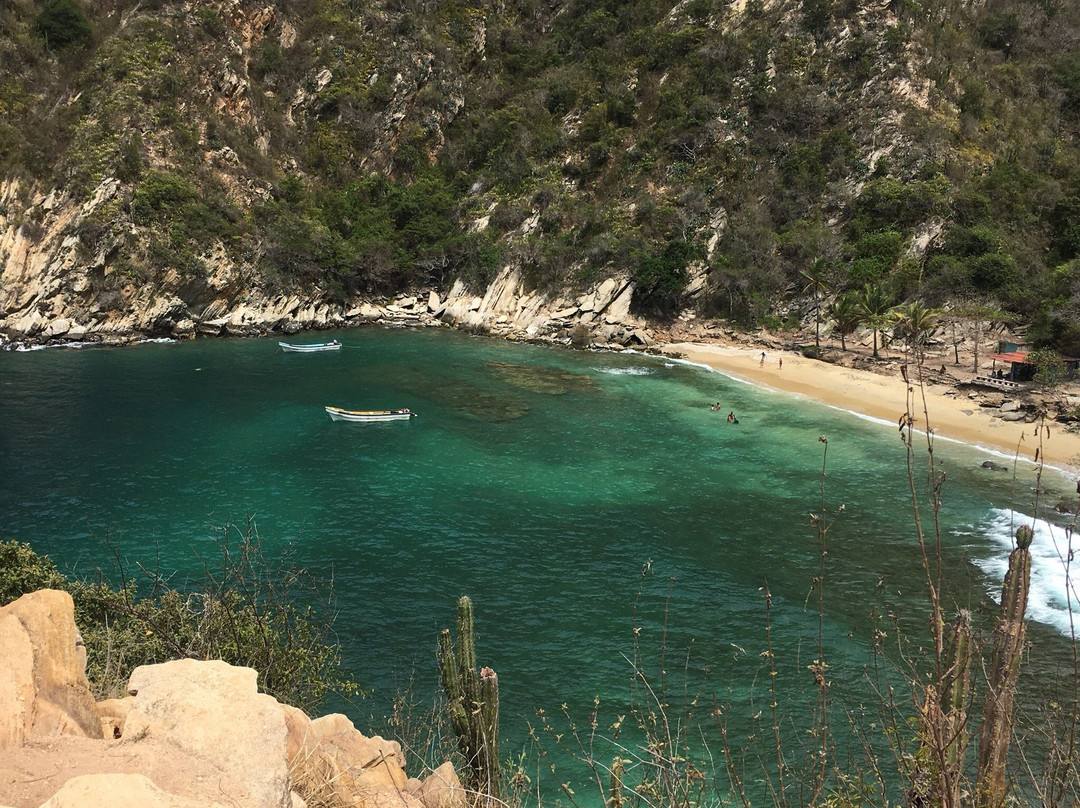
(951, 413)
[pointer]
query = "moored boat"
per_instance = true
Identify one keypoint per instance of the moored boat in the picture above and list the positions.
(334, 345)
(338, 414)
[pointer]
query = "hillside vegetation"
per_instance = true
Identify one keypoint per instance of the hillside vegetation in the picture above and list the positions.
(729, 156)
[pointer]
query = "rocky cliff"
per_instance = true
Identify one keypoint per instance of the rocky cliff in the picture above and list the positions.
(235, 167)
(189, 733)
(49, 294)
(51, 298)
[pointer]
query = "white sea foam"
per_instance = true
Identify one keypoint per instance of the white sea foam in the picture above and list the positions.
(635, 371)
(23, 347)
(1054, 572)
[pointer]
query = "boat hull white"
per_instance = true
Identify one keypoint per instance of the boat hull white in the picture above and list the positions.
(369, 416)
(312, 348)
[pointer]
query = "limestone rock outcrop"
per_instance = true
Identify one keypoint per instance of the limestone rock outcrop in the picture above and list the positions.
(123, 790)
(191, 733)
(43, 687)
(214, 710)
(440, 789)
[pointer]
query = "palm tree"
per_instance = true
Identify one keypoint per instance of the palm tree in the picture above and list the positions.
(915, 322)
(846, 315)
(874, 304)
(817, 277)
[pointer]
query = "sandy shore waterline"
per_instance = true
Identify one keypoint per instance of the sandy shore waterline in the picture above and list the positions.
(951, 414)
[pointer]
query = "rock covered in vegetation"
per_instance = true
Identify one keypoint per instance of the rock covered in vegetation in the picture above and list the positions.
(190, 733)
(48, 299)
(239, 154)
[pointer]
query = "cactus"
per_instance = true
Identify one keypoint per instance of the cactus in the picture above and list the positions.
(943, 716)
(615, 794)
(473, 705)
(955, 692)
(1004, 670)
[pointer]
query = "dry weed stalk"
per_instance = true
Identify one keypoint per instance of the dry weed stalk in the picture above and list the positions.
(938, 776)
(314, 778)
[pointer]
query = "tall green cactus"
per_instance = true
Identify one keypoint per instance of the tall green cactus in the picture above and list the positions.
(940, 762)
(955, 692)
(616, 798)
(1002, 676)
(473, 706)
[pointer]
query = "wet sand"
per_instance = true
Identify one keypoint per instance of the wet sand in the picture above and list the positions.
(949, 412)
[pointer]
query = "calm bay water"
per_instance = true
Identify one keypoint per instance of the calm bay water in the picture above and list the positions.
(537, 480)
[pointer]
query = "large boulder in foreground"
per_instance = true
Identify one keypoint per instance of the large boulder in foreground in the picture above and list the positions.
(440, 789)
(43, 687)
(214, 711)
(190, 733)
(119, 791)
(331, 761)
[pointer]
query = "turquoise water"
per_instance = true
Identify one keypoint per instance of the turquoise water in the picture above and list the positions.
(537, 480)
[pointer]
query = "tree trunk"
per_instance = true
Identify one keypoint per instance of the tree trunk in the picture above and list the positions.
(978, 330)
(817, 322)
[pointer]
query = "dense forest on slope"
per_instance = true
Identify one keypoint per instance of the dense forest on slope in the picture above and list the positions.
(726, 155)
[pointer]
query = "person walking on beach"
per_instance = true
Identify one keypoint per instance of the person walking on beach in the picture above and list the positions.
(781, 361)
(761, 364)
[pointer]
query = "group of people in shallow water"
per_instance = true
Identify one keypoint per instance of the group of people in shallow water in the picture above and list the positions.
(730, 416)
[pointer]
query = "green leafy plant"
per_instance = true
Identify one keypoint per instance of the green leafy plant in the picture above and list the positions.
(62, 23)
(245, 610)
(1050, 369)
(661, 278)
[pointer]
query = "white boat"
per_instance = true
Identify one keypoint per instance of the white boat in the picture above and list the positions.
(311, 347)
(338, 414)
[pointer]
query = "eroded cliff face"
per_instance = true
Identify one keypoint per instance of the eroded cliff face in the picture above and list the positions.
(51, 288)
(51, 291)
(168, 85)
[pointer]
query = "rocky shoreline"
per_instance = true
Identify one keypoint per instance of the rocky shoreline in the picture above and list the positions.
(599, 317)
(54, 290)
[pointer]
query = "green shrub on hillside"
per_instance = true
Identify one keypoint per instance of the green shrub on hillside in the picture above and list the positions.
(184, 220)
(659, 279)
(888, 203)
(22, 570)
(1065, 224)
(161, 194)
(62, 23)
(246, 611)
